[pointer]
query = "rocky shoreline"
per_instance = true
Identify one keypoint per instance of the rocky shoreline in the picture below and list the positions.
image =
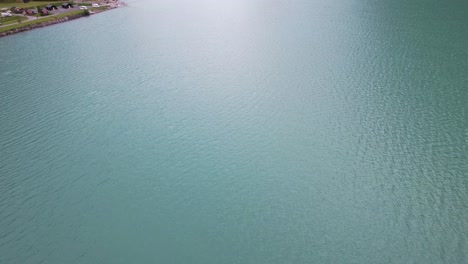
(112, 4)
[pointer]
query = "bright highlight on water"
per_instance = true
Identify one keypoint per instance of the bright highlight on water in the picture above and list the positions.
(238, 131)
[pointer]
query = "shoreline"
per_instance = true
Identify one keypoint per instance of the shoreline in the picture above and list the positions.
(112, 4)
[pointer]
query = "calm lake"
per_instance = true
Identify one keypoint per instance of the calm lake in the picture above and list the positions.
(238, 132)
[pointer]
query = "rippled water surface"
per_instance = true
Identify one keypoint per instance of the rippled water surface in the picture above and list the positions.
(238, 131)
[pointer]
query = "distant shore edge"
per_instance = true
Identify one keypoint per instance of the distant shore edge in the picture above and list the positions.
(56, 21)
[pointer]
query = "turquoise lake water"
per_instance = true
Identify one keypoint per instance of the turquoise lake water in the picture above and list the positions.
(238, 131)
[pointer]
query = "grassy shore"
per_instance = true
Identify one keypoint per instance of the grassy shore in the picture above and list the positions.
(16, 22)
(28, 5)
(33, 4)
(40, 20)
(12, 20)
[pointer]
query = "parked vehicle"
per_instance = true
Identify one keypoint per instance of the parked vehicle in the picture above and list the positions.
(83, 8)
(67, 6)
(95, 5)
(5, 14)
(30, 12)
(51, 7)
(17, 10)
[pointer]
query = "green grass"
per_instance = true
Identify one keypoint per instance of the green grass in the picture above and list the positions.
(11, 20)
(40, 20)
(30, 4)
(99, 8)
